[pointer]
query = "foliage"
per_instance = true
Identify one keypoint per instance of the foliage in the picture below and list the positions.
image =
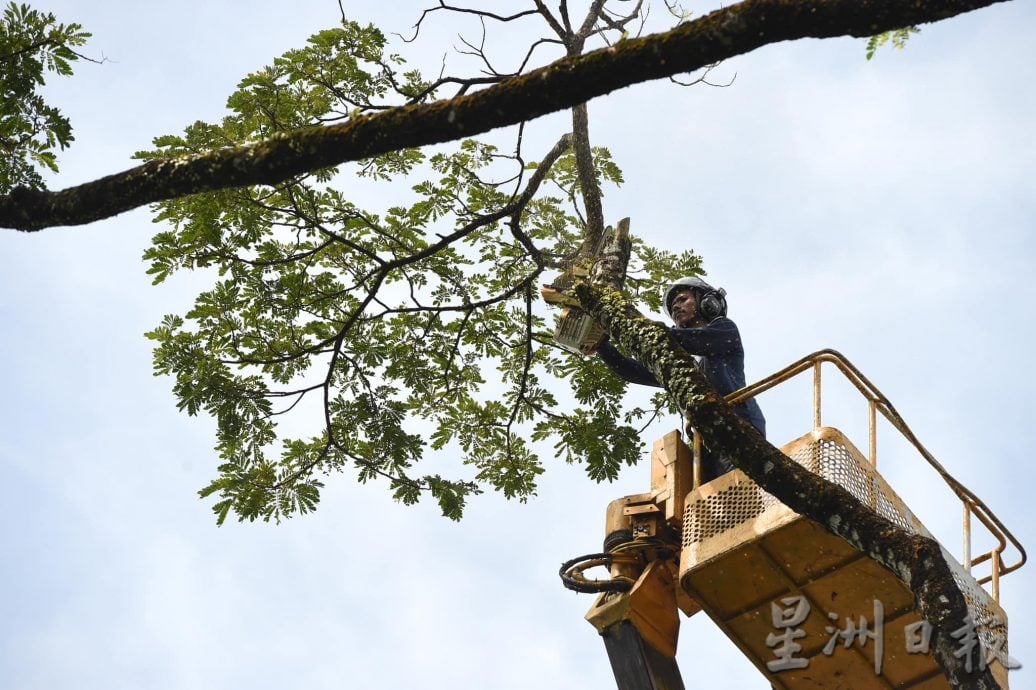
(32, 44)
(385, 340)
(897, 37)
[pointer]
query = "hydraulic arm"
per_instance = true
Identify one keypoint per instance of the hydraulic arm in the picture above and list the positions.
(636, 610)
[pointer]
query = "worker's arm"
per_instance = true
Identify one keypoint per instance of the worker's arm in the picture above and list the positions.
(625, 367)
(718, 338)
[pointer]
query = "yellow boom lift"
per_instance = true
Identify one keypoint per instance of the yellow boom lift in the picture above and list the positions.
(808, 609)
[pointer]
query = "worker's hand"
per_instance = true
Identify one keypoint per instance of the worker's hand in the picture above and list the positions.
(592, 350)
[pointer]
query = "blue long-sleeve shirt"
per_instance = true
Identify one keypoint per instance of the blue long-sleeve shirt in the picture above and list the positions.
(720, 356)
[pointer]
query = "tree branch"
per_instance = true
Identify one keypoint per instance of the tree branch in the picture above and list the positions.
(570, 81)
(551, 20)
(590, 21)
(461, 10)
(589, 186)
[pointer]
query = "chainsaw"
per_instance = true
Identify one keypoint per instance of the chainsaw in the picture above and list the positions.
(576, 331)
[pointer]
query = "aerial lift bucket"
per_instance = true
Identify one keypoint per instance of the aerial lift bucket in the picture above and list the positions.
(754, 565)
(808, 609)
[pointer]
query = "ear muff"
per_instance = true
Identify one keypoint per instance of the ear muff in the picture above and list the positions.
(712, 304)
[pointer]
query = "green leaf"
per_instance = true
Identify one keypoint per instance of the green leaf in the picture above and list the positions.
(32, 45)
(399, 343)
(897, 37)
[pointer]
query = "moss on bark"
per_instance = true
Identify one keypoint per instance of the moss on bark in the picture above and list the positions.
(717, 36)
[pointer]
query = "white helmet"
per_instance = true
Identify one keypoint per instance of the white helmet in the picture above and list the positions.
(711, 302)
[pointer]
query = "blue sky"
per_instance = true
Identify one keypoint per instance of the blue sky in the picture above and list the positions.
(882, 208)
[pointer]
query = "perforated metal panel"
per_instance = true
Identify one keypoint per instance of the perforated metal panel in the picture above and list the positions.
(732, 523)
(722, 511)
(991, 622)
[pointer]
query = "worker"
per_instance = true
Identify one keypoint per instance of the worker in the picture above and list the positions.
(699, 312)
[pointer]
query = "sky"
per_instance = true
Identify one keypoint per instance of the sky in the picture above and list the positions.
(882, 208)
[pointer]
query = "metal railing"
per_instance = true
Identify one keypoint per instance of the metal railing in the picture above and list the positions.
(877, 402)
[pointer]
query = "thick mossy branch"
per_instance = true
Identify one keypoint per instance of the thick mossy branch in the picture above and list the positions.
(916, 560)
(717, 36)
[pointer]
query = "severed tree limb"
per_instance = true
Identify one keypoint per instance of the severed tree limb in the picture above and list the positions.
(917, 561)
(720, 35)
(609, 271)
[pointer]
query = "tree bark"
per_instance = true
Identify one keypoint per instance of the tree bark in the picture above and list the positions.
(917, 561)
(570, 81)
(588, 183)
